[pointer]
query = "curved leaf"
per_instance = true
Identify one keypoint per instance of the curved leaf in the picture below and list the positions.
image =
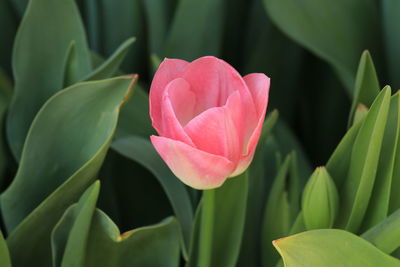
(38, 61)
(69, 236)
(386, 234)
(337, 31)
(142, 151)
(111, 65)
(155, 246)
(219, 245)
(358, 186)
(367, 85)
(5, 260)
(378, 208)
(331, 248)
(65, 146)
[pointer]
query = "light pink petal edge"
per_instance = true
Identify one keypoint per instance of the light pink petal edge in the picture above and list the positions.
(193, 167)
(168, 70)
(258, 85)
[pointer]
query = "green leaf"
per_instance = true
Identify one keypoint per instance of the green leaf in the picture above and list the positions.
(69, 236)
(386, 234)
(367, 85)
(38, 61)
(71, 66)
(391, 22)
(330, 248)
(256, 197)
(379, 203)
(320, 201)
(205, 19)
(135, 118)
(337, 31)
(109, 67)
(5, 260)
(142, 151)
(74, 147)
(155, 246)
(339, 162)
(219, 245)
(280, 210)
(358, 186)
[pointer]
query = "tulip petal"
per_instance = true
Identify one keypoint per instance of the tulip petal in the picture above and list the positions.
(259, 87)
(219, 130)
(176, 91)
(213, 81)
(193, 167)
(168, 70)
(258, 84)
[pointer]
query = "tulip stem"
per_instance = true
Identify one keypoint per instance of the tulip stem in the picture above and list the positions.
(206, 228)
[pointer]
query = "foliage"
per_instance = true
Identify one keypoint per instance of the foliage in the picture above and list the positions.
(77, 168)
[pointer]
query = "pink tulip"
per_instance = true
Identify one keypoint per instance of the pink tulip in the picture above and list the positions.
(209, 119)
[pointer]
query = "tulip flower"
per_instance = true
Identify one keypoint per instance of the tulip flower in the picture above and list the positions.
(208, 117)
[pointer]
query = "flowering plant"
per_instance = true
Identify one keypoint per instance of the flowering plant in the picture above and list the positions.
(185, 166)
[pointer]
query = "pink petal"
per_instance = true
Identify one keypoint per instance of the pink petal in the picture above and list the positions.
(183, 100)
(171, 127)
(258, 84)
(168, 70)
(213, 81)
(259, 87)
(193, 167)
(219, 130)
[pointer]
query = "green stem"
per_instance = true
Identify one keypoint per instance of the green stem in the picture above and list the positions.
(206, 228)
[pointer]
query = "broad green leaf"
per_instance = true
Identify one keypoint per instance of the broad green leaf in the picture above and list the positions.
(155, 246)
(5, 260)
(38, 61)
(320, 200)
(339, 162)
(219, 245)
(142, 151)
(111, 65)
(69, 236)
(331, 248)
(75, 147)
(357, 188)
(278, 214)
(391, 22)
(379, 203)
(256, 197)
(196, 29)
(367, 85)
(135, 118)
(337, 31)
(386, 234)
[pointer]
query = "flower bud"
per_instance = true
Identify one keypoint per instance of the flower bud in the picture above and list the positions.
(320, 200)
